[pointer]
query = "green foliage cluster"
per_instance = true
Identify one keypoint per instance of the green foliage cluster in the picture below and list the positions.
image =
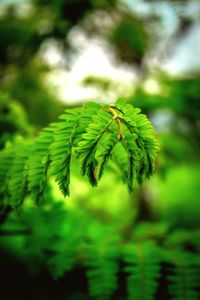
(90, 134)
(95, 134)
(153, 253)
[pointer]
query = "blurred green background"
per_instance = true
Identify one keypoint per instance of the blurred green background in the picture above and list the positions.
(61, 53)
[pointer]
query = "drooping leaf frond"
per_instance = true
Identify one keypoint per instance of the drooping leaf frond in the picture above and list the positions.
(133, 159)
(138, 124)
(39, 163)
(18, 174)
(184, 280)
(102, 269)
(104, 153)
(7, 157)
(88, 145)
(88, 111)
(143, 268)
(92, 134)
(61, 148)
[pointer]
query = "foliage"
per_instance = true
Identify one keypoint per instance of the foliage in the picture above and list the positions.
(97, 239)
(104, 254)
(102, 267)
(38, 164)
(13, 119)
(184, 281)
(143, 268)
(91, 133)
(40, 100)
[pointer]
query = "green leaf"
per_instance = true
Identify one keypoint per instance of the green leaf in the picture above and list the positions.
(184, 279)
(105, 153)
(133, 159)
(39, 163)
(61, 148)
(18, 174)
(88, 144)
(93, 132)
(143, 269)
(7, 157)
(102, 268)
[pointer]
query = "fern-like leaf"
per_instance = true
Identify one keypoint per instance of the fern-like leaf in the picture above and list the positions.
(6, 160)
(138, 124)
(88, 111)
(184, 282)
(102, 268)
(143, 268)
(61, 148)
(133, 159)
(92, 132)
(39, 163)
(18, 174)
(104, 153)
(87, 146)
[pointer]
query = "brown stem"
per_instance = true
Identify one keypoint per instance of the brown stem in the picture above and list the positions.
(118, 120)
